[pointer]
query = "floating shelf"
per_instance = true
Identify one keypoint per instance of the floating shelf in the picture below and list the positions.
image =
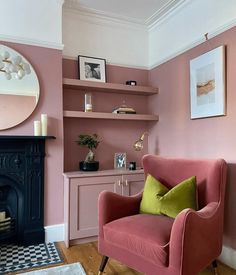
(95, 86)
(98, 115)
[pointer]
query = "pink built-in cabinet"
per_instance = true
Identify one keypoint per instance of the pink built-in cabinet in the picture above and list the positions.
(81, 191)
(117, 132)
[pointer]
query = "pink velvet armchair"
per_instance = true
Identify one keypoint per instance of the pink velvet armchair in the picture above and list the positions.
(157, 244)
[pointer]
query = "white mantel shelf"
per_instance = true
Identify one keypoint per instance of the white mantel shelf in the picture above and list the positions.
(98, 115)
(94, 86)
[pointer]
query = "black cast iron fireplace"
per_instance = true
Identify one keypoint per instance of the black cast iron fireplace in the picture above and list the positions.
(22, 189)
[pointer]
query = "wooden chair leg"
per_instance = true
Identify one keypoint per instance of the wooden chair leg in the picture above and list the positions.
(103, 264)
(214, 264)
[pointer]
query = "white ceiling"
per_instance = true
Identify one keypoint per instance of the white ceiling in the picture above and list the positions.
(138, 11)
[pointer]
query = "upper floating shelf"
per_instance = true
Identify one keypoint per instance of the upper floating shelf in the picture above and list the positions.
(95, 86)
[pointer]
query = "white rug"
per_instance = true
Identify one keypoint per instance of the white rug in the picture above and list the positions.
(69, 269)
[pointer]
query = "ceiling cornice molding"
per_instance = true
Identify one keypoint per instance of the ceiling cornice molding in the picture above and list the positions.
(75, 7)
(105, 21)
(170, 13)
(165, 12)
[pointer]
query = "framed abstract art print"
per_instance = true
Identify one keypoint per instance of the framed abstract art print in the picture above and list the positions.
(207, 84)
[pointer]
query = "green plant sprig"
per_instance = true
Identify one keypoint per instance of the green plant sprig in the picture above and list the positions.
(89, 141)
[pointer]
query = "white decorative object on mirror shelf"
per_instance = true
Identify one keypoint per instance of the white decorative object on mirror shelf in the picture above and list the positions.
(19, 88)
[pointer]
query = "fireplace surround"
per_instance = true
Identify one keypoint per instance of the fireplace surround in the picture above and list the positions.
(22, 189)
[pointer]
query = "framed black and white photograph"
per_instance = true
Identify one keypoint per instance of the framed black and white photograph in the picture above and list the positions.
(92, 68)
(120, 161)
(207, 84)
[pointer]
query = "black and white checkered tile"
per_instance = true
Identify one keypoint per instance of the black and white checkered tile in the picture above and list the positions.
(14, 258)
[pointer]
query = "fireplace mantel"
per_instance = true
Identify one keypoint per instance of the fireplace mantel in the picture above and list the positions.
(22, 180)
(27, 137)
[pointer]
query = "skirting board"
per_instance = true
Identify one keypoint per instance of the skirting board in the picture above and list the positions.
(228, 257)
(55, 233)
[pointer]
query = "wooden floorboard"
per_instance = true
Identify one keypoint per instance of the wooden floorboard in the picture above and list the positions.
(88, 256)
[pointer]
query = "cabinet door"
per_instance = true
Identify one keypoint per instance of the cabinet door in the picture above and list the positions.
(84, 194)
(132, 184)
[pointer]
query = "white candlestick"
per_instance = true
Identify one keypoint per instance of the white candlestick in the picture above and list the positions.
(37, 128)
(44, 124)
(2, 216)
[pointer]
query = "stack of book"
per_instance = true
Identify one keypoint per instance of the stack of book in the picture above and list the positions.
(124, 110)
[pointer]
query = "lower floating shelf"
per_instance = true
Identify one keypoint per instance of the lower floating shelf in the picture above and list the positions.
(98, 115)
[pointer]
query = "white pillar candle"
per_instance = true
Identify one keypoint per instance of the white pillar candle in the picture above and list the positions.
(2, 216)
(37, 128)
(44, 124)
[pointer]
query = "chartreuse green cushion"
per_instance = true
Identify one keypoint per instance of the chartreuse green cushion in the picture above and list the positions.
(158, 199)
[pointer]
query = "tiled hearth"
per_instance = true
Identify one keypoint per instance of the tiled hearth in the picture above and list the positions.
(14, 258)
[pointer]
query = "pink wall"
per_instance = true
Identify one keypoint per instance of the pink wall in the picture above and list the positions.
(177, 135)
(48, 66)
(116, 136)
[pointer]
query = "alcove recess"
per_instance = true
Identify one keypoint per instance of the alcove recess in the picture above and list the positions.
(117, 131)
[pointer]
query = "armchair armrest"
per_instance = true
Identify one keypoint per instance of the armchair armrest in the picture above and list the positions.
(196, 235)
(112, 206)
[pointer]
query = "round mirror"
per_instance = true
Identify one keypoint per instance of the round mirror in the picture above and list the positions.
(19, 88)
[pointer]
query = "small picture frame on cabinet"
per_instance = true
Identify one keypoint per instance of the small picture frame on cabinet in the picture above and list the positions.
(92, 68)
(120, 161)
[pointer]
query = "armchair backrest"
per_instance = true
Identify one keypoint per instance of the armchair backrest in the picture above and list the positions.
(210, 174)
